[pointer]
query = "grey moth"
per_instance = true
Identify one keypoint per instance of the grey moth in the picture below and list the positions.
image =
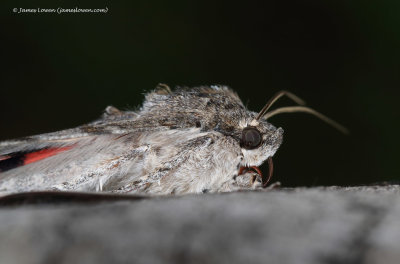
(190, 140)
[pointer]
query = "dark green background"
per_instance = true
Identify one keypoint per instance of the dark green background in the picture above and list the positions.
(342, 57)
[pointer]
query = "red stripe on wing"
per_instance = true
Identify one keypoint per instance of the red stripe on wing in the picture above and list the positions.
(44, 153)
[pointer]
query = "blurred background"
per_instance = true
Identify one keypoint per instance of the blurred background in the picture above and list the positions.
(342, 57)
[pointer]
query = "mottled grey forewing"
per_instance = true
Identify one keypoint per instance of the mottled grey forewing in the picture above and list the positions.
(123, 146)
(89, 162)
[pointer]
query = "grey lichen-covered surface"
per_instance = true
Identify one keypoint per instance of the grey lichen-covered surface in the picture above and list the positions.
(315, 225)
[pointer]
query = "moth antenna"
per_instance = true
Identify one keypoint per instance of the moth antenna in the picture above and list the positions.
(275, 98)
(304, 109)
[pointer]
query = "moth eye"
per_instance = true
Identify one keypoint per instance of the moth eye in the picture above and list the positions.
(251, 138)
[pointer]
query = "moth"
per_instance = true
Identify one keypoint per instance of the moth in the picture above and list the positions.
(190, 140)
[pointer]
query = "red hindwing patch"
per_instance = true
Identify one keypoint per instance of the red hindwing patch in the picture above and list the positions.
(42, 154)
(17, 159)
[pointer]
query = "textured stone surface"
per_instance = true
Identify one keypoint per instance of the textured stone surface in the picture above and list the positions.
(317, 225)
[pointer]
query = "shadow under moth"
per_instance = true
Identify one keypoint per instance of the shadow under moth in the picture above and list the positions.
(190, 140)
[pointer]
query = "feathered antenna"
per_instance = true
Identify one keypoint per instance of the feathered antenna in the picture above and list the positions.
(295, 109)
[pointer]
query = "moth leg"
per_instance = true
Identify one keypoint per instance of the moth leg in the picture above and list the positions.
(275, 185)
(257, 174)
(248, 180)
(163, 88)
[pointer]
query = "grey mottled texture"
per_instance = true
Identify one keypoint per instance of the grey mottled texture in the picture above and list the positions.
(163, 148)
(318, 225)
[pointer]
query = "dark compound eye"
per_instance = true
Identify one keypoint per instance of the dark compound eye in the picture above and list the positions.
(251, 138)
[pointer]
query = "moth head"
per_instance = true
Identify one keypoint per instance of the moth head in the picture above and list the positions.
(260, 139)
